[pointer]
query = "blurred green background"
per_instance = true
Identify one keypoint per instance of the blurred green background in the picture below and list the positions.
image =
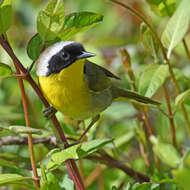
(118, 29)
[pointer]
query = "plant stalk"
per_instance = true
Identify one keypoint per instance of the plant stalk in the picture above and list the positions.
(186, 48)
(170, 116)
(27, 122)
(108, 160)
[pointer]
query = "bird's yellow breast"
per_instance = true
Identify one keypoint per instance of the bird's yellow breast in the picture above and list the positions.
(67, 91)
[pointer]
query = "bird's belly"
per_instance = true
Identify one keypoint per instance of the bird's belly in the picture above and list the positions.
(74, 100)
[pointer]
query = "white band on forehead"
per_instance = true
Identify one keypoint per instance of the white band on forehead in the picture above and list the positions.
(42, 62)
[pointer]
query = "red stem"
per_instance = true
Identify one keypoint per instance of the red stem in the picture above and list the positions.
(27, 122)
(71, 165)
(170, 116)
(186, 48)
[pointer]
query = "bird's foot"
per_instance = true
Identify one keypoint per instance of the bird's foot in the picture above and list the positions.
(49, 112)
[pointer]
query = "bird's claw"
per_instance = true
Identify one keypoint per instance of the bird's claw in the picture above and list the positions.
(49, 112)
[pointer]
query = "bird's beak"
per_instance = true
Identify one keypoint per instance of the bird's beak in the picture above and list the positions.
(85, 55)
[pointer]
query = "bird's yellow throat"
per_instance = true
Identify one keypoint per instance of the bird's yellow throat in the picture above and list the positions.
(67, 90)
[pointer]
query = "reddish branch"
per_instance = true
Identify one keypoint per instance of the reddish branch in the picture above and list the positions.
(170, 116)
(71, 165)
(186, 49)
(108, 160)
(27, 122)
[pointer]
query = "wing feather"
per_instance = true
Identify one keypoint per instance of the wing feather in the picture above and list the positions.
(97, 77)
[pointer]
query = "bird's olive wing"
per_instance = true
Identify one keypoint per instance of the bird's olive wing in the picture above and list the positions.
(97, 77)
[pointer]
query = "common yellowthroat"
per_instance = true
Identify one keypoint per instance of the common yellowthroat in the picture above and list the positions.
(77, 87)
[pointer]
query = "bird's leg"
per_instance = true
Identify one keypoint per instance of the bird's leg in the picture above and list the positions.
(94, 120)
(49, 112)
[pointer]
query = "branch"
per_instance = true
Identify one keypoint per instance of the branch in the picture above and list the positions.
(27, 122)
(186, 48)
(108, 160)
(22, 140)
(170, 116)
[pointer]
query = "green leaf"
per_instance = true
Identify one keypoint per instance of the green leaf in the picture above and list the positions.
(145, 78)
(11, 178)
(51, 183)
(152, 79)
(24, 129)
(10, 156)
(50, 21)
(163, 7)
(176, 27)
(5, 71)
(78, 22)
(77, 151)
(186, 159)
(124, 138)
(166, 152)
(34, 47)
(143, 186)
(43, 174)
(5, 15)
(156, 2)
(9, 164)
(149, 40)
(67, 183)
(181, 97)
(114, 188)
(181, 177)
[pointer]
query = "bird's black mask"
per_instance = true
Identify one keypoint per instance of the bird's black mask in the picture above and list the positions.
(66, 56)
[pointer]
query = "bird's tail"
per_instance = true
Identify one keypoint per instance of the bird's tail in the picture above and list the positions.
(120, 94)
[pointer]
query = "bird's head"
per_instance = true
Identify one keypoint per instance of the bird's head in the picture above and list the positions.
(59, 56)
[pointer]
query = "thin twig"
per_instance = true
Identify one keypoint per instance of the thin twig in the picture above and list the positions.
(22, 140)
(170, 116)
(27, 122)
(30, 144)
(106, 159)
(186, 48)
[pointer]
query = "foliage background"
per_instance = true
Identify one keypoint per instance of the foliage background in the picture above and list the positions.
(120, 121)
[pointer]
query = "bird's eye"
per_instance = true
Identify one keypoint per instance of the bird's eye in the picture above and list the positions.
(65, 55)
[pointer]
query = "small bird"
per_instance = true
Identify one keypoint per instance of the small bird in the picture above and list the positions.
(77, 87)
